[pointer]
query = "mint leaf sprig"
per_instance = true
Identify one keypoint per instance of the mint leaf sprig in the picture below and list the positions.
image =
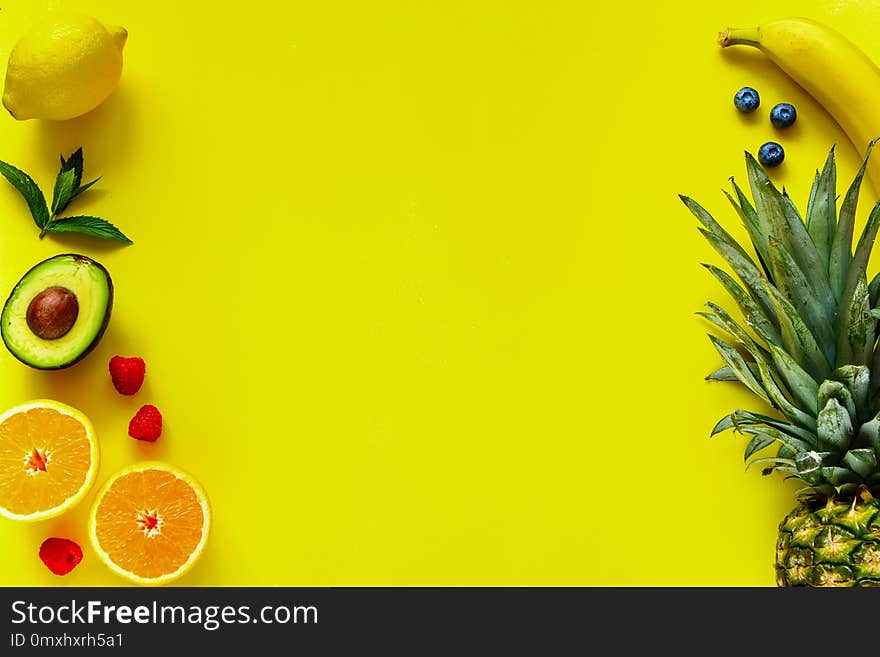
(68, 185)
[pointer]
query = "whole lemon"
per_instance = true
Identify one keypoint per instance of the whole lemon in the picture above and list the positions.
(64, 67)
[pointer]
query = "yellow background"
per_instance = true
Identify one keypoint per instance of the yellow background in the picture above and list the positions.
(414, 287)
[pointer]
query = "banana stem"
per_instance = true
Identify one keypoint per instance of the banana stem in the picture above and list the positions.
(735, 36)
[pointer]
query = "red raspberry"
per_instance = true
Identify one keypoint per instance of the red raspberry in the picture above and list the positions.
(127, 374)
(61, 555)
(146, 424)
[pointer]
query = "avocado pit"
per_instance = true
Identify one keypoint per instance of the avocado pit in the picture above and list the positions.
(52, 313)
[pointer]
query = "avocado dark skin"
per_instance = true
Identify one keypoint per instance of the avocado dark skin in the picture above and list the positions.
(50, 326)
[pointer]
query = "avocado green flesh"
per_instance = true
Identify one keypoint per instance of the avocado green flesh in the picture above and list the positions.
(93, 288)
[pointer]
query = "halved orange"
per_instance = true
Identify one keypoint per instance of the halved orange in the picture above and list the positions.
(150, 523)
(48, 459)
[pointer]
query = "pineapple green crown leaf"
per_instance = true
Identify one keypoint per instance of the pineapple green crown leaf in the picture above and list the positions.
(808, 343)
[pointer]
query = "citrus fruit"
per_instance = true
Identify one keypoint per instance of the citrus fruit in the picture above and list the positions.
(65, 66)
(149, 523)
(48, 459)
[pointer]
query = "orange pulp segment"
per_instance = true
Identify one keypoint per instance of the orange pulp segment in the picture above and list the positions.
(48, 459)
(150, 522)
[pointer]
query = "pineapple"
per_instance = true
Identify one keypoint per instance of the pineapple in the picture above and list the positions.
(807, 348)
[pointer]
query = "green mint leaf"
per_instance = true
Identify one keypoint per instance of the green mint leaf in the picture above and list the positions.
(86, 225)
(65, 190)
(31, 192)
(73, 163)
(68, 183)
(79, 190)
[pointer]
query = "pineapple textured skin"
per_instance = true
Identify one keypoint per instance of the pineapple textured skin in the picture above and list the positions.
(836, 544)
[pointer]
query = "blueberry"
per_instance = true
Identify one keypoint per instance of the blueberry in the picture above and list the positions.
(783, 115)
(747, 100)
(771, 154)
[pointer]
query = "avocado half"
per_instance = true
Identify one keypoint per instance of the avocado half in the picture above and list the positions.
(57, 312)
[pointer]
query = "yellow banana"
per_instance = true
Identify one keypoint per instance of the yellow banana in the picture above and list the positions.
(835, 72)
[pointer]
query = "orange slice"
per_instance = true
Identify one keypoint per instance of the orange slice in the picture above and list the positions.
(150, 522)
(48, 459)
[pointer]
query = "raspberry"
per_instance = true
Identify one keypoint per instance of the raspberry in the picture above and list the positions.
(127, 374)
(61, 555)
(146, 424)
